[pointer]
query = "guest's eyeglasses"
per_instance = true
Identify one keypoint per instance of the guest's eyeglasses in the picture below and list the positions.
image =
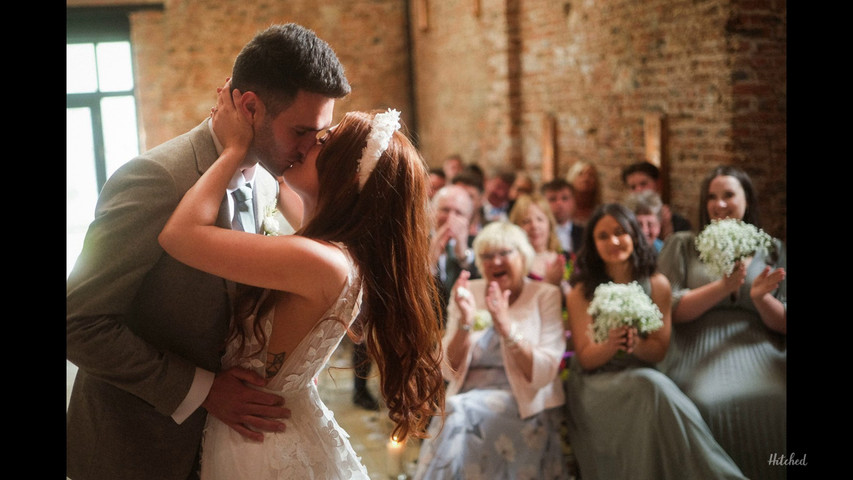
(491, 256)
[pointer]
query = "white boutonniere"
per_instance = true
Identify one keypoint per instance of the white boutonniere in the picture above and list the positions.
(270, 224)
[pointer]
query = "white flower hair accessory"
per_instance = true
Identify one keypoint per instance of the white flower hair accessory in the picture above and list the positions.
(381, 128)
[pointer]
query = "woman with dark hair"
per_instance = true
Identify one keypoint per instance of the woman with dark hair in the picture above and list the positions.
(358, 264)
(729, 344)
(627, 419)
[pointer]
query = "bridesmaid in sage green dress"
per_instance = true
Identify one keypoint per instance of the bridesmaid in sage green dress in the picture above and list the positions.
(628, 420)
(729, 343)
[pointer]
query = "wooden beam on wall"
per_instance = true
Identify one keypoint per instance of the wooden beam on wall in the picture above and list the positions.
(654, 127)
(422, 13)
(549, 147)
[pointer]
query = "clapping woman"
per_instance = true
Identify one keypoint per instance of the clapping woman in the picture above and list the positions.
(626, 419)
(503, 345)
(729, 343)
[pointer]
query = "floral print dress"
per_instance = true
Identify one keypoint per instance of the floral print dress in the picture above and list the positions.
(483, 435)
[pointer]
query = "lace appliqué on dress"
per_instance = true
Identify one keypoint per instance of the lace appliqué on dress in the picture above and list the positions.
(313, 445)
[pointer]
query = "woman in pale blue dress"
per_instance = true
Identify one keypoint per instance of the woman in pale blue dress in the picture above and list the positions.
(504, 397)
(626, 419)
(729, 343)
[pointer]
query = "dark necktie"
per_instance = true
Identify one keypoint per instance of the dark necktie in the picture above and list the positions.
(451, 267)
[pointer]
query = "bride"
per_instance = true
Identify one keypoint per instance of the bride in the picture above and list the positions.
(358, 265)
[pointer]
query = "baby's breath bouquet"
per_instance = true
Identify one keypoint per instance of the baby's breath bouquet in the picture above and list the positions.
(724, 242)
(616, 305)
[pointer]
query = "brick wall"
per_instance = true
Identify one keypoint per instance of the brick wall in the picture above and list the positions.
(483, 77)
(713, 71)
(185, 51)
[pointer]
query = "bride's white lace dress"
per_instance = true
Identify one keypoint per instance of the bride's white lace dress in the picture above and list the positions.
(313, 446)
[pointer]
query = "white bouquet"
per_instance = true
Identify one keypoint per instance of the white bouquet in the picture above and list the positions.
(724, 242)
(616, 305)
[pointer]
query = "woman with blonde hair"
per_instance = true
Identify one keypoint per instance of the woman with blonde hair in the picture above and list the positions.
(503, 345)
(587, 185)
(533, 215)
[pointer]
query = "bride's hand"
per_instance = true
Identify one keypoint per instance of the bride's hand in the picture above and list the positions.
(231, 124)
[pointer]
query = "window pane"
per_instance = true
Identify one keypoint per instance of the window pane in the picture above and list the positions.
(114, 67)
(81, 191)
(121, 142)
(80, 74)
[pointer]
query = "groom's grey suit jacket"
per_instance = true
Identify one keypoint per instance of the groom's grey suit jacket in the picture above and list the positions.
(138, 322)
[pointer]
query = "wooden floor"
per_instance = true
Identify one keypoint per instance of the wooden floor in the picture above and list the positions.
(369, 431)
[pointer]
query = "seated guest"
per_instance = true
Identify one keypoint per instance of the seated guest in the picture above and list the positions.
(534, 216)
(646, 205)
(502, 347)
(585, 180)
(646, 176)
(626, 419)
(729, 339)
(437, 179)
(523, 185)
(450, 243)
(561, 198)
(496, 200)
(452, 165)
(471, 179)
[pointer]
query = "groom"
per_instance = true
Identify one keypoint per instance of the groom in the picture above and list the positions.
(146, 331)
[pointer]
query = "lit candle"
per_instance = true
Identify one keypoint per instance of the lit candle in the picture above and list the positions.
(395, 456)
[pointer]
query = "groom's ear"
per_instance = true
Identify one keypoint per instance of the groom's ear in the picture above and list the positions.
(250, 106)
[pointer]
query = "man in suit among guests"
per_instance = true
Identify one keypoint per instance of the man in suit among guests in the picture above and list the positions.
(496, 200)
(146, 331)
(450, 244)
(471, 179)
(561, 197)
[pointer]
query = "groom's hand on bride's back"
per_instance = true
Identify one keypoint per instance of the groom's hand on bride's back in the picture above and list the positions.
(240, 406)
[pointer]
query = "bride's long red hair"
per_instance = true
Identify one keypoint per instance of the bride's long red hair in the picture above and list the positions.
(386, 228)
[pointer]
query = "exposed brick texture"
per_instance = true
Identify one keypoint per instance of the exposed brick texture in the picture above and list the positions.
(480, 78)
(713, 70)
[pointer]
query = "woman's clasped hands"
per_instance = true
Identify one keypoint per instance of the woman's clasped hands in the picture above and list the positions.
(623, 339)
